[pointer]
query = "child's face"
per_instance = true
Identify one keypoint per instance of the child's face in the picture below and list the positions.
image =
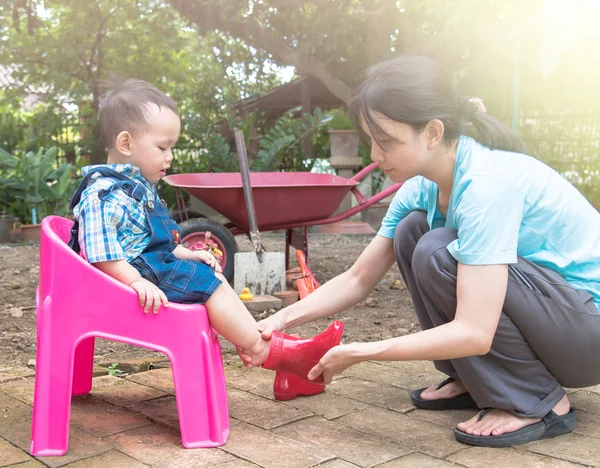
(151, 150)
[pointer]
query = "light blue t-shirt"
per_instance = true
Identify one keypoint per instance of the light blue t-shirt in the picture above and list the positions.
(506, 205)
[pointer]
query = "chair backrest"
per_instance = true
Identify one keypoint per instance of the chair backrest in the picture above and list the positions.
(56, 258)
(54, 239)
(60, 266)
(59, 226)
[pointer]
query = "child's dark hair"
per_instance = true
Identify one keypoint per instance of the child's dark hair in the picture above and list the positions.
(413, 90)
(123, 107)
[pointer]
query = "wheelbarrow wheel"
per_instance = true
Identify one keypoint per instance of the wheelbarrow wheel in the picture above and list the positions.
(193, 236)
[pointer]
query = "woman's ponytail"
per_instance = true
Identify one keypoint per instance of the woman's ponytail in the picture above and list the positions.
(413, 90)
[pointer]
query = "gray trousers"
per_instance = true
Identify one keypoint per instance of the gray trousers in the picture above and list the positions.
(548, 335)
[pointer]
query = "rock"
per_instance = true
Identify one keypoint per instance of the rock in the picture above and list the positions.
(263, 303)
(377, 322)
(34, 270)
(401, 331)
(371, 302)
(31, 363)
(397, 285)
(15, 312)
(133, 365)
(391, 315)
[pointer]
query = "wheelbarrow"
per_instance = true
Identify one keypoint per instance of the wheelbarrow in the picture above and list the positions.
(290, 201)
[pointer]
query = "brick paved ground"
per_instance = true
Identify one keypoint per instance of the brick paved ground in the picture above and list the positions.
(364, 419)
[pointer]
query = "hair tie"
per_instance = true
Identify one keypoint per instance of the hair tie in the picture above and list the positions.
(468, 107)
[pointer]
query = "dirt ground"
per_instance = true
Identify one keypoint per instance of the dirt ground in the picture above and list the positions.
(386, 313)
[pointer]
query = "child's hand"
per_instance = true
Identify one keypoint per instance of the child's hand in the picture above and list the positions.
(205, 257)
(149, 294)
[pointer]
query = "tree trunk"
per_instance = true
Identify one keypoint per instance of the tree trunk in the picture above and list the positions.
(209, 18)
(98, 152)
(98, 155)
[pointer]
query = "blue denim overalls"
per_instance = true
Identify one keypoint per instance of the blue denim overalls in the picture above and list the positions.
(181, 280)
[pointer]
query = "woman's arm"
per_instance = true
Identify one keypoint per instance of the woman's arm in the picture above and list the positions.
(341, 292)
(481, 291)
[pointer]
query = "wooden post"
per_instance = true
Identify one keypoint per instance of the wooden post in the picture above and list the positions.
(344, 158)
(307, 141)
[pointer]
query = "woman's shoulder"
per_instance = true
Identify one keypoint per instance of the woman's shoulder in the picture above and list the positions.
(475, 158)
(483, 165)
(417, 184)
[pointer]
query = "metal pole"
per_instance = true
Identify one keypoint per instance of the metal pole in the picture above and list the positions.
(515, 114)
(252, 224)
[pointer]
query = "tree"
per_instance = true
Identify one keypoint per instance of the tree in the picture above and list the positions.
(209, 53)
(334, 40)
(62, 49)
(317, 39)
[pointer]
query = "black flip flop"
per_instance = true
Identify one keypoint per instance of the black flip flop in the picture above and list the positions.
(458, 402)
(551, 425)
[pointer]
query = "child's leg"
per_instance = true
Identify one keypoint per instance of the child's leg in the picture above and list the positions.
(230, 318)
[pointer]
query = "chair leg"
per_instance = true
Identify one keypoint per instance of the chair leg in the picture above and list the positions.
(83, 367)
(52, 395)
(201, 393)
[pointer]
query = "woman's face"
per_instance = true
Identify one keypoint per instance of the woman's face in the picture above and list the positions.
(403, 153)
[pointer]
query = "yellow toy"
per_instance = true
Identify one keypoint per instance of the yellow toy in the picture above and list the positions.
(246, 294)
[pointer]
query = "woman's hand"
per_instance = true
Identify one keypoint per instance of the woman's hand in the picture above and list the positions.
(266, 327)
(336, 360)
(273, 323)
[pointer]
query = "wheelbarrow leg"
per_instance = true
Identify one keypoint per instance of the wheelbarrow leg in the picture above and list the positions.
(288, 240)
(305, 249)
(297, 238)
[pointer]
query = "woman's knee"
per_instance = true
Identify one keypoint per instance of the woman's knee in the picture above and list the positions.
(431, 250)
(409, 231)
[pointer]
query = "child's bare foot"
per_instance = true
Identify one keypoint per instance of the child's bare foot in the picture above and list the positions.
(257, 354)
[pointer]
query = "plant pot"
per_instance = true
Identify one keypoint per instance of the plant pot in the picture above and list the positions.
(287, 297)
(375, 214)
(291, 276)
(32, 233)
(29, 233)
(344, 145)
(6, 225)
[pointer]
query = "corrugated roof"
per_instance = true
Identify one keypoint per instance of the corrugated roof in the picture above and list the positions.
(288, 96)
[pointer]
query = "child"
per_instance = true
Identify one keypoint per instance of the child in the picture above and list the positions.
(124, 229)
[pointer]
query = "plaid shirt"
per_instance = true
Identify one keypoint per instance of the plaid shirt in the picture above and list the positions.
(115, 228)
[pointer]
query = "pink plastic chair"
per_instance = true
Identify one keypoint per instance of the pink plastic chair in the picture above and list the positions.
(76, 303)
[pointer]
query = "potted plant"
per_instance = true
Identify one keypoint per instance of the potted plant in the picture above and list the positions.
(7, 222)
(35, 188)
(343, 139)
(6, 219)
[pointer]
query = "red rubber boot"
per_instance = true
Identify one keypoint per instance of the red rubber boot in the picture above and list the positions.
(287, 387)
(299, 356)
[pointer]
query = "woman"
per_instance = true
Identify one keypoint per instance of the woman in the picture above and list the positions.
(500, 254)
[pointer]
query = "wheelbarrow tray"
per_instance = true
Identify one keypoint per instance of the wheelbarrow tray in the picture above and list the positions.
(280, 198)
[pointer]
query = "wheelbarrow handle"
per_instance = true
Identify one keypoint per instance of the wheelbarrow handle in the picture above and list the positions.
(360, 198)
(252, 224)
(367, 170)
